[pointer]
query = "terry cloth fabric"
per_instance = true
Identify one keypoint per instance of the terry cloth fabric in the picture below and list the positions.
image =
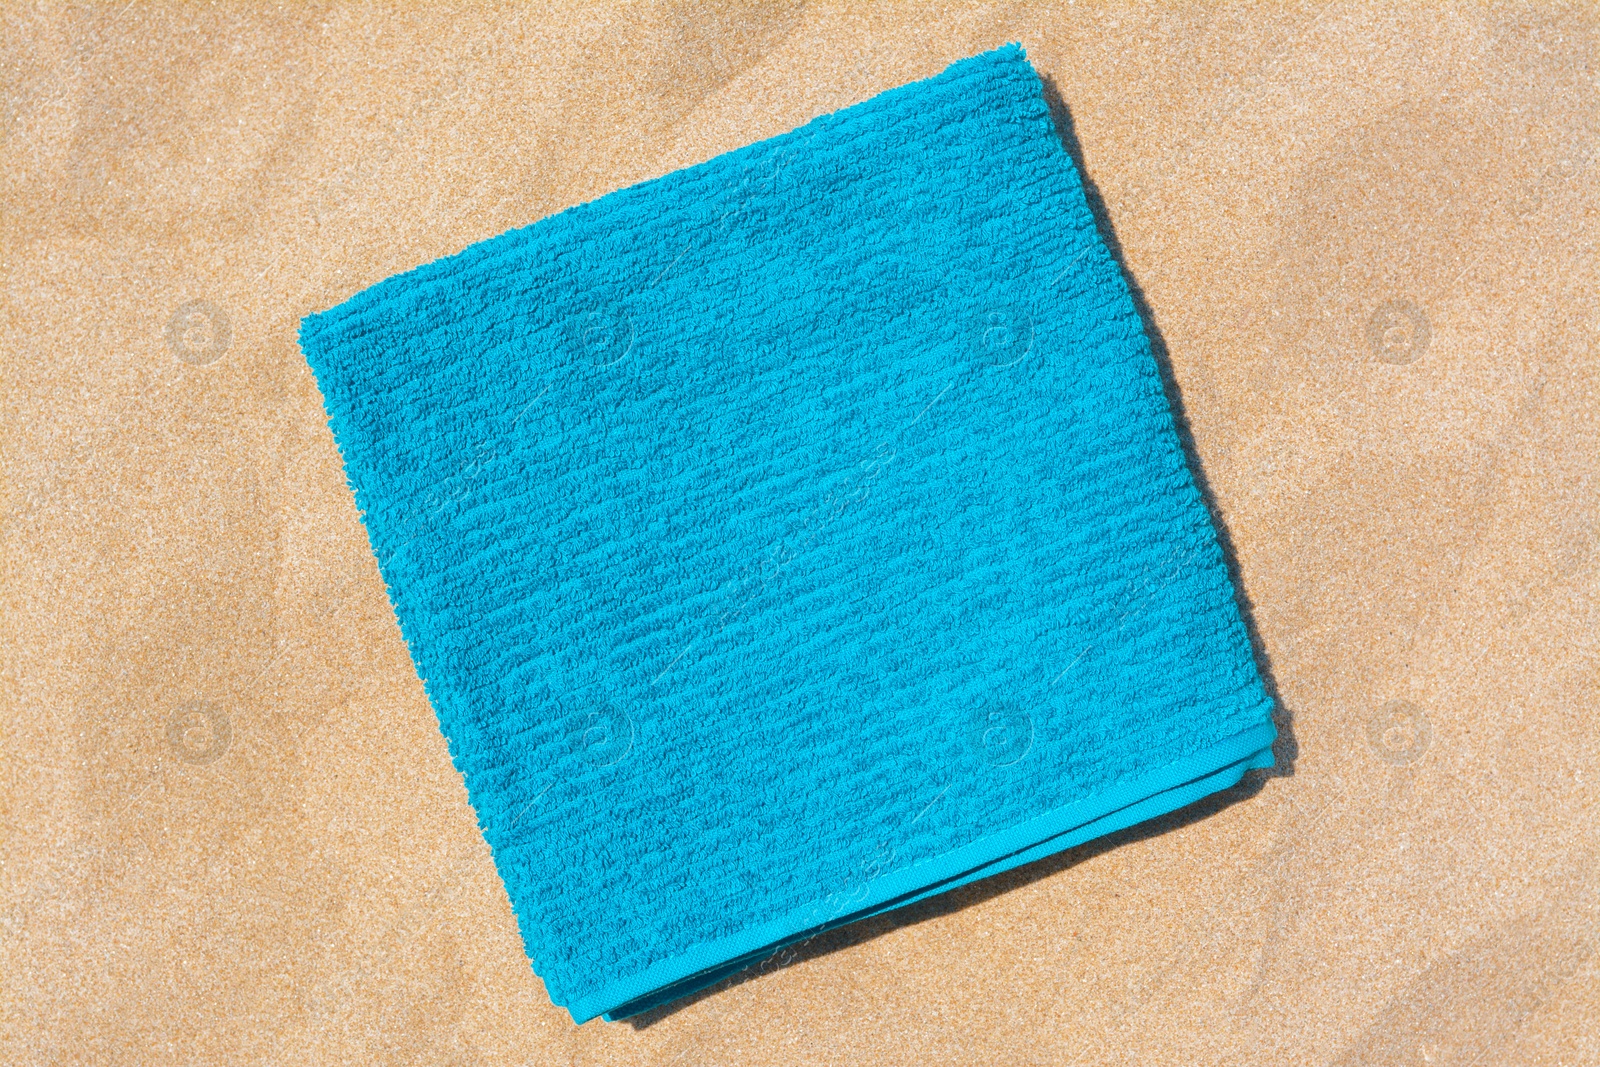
(793, 537)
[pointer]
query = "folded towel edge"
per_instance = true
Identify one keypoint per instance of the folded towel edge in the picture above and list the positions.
(1130, 802)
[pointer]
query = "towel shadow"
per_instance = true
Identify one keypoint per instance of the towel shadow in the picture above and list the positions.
(1284, 749)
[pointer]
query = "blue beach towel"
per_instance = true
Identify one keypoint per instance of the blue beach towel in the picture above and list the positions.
(793, 537)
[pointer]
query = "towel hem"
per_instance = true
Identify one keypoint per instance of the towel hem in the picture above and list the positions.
(1168, 788)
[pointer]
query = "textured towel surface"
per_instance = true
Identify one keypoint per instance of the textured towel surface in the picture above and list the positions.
(792, 537)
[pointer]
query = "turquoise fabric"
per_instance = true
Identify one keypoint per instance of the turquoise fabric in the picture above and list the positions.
(792, 537)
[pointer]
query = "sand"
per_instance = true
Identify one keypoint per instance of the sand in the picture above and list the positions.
(1365, 239)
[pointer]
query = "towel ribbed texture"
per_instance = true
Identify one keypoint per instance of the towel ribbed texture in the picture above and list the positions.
(792, 536)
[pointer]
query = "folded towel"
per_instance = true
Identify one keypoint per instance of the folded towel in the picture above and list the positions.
(792, 537)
